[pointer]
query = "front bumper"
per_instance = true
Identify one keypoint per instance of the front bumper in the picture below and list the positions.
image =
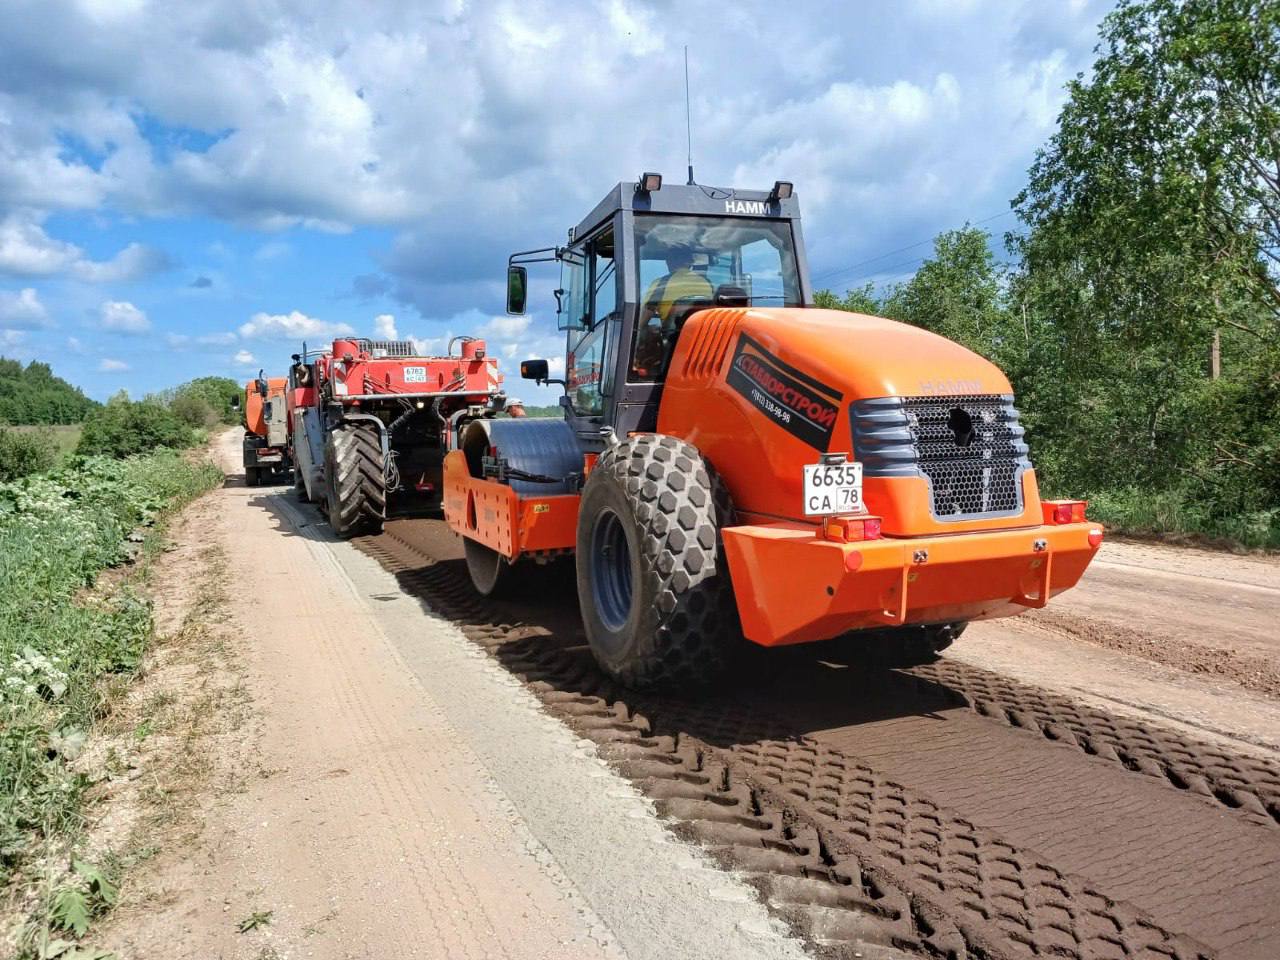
(793, 586)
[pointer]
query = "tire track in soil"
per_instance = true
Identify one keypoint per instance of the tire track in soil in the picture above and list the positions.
(838, 848)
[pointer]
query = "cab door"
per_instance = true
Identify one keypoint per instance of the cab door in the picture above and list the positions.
(590, 310)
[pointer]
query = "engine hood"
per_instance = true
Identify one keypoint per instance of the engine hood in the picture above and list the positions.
(862, 356)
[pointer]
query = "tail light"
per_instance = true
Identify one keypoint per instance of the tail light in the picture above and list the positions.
(1063, 511)
(852, 529)
(1095, 537)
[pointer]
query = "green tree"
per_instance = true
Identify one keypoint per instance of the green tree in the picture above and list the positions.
(958, 293)
(32, 394)
(861, 300)
(1151, 245)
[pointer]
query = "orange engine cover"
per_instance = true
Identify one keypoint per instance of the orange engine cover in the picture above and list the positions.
(764, 391)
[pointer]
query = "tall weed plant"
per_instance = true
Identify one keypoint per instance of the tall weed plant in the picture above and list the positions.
(58, 640)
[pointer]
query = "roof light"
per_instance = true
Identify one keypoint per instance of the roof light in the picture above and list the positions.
(782, 190)
(649, 182)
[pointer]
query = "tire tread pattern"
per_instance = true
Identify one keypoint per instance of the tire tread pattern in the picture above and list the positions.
(680, 505)
(357, 480)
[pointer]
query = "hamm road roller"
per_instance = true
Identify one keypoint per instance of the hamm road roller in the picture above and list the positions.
(733, 462)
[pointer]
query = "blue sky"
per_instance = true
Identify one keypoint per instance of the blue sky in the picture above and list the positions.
(194, 189)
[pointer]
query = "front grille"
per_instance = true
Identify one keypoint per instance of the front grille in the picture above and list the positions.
(969, 448)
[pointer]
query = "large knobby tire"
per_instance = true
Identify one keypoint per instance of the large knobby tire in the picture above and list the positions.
(652, 579)
(251, 476)
(355, 479)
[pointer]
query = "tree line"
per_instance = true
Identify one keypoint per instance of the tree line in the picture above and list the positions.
(1139, 317)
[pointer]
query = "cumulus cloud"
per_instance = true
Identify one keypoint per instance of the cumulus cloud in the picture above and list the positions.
(26, 250)
(292, 326)
(384, 327)
(122, 316)
(110, 365)
(22, 310)
(244, 358)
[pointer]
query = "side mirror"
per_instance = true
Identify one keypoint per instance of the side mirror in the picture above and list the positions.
(517, 289)
(534, 369)
(235, 402)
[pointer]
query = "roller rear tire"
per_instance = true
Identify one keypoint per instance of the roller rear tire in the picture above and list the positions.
(653, 583)
(355, 479)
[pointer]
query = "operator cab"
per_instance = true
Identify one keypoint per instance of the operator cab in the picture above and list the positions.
(637, 267)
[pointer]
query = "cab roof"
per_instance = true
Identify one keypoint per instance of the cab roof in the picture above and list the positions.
(691, 200)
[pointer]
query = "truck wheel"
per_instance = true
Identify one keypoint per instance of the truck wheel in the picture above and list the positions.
(250, 476)
(489, 570)
(653, 583)
(355, 480)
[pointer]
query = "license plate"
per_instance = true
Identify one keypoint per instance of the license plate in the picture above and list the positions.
(832, 489)
(415, 374)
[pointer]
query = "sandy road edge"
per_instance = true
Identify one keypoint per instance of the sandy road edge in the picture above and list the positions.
(660, 896)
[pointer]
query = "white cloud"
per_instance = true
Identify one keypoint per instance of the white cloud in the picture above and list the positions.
(216, 339)
(292, 326)
(109, 365)
(506, 327)
(10, 340)
(74, 345)
(272, 250)
(22, 310)
(384, 327)
(244, 358)
(26, 250)
(122, 316)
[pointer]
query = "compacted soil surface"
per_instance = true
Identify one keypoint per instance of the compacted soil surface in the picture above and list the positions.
(395, 767)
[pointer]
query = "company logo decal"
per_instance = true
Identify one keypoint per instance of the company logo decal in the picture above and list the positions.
(757, 208)
(795, 401)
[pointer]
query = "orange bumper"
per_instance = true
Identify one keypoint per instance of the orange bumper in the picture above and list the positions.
(793, 586)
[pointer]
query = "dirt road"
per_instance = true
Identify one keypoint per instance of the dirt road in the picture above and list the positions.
(413, 800)
(1102, 779)
(951, 808)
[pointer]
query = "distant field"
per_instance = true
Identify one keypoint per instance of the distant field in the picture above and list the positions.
(65, 438)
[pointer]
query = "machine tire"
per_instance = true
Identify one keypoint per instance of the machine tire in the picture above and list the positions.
(653, 583)
(489, 570)
(355, 480)
(251, 476)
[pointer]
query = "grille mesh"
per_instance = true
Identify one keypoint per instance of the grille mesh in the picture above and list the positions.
(974, 478)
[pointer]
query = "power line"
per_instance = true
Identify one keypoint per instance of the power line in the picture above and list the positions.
(911, 246)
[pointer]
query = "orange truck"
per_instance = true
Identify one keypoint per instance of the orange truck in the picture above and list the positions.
(266, 426)
(733, 462)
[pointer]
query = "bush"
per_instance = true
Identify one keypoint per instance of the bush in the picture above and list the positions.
(194, 410)
(123, 428)
(22, 454)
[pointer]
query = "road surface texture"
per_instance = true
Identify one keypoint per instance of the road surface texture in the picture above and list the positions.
(456, 778)
(1068, 808)
(420, 801)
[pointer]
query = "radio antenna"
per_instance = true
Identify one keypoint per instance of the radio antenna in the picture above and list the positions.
(688, 114)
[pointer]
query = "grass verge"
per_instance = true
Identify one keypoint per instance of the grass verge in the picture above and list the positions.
(68, 638)
(1175, 516)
